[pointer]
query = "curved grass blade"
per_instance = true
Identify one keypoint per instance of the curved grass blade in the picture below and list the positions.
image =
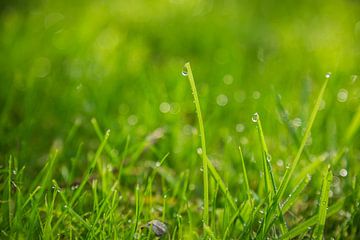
(188, 72)
(206, 162)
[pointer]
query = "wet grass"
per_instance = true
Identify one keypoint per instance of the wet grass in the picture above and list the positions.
(106, 134)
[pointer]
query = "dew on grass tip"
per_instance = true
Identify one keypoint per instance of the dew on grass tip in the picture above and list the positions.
(255, 117)
(184, 71)
(328, 75)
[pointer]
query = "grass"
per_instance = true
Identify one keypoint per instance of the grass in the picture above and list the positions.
(102, 137)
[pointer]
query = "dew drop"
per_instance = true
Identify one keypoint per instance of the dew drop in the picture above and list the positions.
(268, 157)
(222, 100)
(240, 127)
(157, 164)
(342, 95)
(132, 120)
(343, 172)
(280, 163)
(256, 95)
(164, 107)
(255, 117)
(184, 71)
(328, 75)
(201, 169)
(199, 151)
(228, 79)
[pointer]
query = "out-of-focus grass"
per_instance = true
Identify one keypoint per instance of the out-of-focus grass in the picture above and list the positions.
(64, 63)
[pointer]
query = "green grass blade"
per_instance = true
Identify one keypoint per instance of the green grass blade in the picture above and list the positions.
(90, 168)
(289, 174)
(203, 143)
(295, 193)
(285, 119)
(206, 162)
(323, 204)
(270, 185)
(246, 181)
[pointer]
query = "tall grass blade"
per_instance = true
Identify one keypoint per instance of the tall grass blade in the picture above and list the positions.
(289, 173)
(323, 204)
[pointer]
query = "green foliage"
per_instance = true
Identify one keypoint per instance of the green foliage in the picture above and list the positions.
(70, 70)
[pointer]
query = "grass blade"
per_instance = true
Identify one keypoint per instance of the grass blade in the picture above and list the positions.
(243, 169)
(91, 168)
(324, 198)
(289, 173)
(287, 177)
(295, 193)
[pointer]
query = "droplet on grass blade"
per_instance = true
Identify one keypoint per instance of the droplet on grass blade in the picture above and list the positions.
(255, 117)
(184, 71)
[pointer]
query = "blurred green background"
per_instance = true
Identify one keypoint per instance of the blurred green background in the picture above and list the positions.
(66, 62)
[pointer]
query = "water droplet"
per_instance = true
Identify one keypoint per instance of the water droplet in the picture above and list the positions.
(280, 163)
(268, 158)
(240, 127)
(255, 117)
(74, 187)
(157, 164)
(328, 75)
(343, 172)
(222, 100)
(199, 151)
(256, 95)
(132, 120)
(164, 107)
(287, 166)
(201, 169)
(228, 79)
(65, 206)
(342, 95)
(184, 71)
(14, 172)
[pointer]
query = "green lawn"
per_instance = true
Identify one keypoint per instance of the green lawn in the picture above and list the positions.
(106, 132)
